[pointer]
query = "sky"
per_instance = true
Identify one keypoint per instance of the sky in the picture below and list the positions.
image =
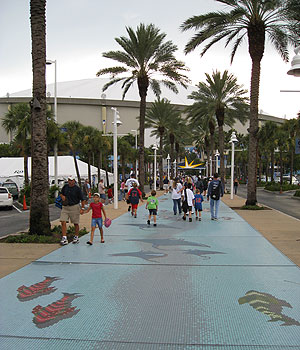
(78, 32)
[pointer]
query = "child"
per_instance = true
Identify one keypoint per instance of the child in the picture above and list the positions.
(97, 209)
(187, 201)
(134, 196)
(152, 205)
(110, 194)
(198, 203)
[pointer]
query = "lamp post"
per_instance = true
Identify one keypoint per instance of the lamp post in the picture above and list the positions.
(211, 165)
(233, 139)
(168, 165)
(175, 170)
(155, 148)
(295, 65)
(136, 147)
(117, 122)
(217, 161)
(49, 62)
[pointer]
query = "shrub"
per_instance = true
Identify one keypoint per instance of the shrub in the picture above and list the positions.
(252, 207)
(297, 193)
(275, 186)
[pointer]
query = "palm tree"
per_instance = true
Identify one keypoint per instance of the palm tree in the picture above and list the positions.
(268, 134)
(125, 151)
(144, 54)
(290, 127)
(39, 210)
(73, 141)
(222, 98)
(158, 117)
(256, 19)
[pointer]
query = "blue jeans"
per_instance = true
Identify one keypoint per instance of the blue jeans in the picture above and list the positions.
(176, 203)
(214, 208)
(97, 221)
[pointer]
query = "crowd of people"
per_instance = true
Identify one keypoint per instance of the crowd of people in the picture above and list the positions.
(187, 193)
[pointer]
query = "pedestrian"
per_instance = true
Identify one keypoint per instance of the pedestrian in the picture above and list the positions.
(214, 192)
(198, 203)
(122, 190)
(134, 196)
(129, 185)
(176, 196)
(110, 194)
(97, 210)
(71, 196)
(236, 184)
(205, 185)
(199, 184)
(166, 184)
(152, 206)
(86, 189)
(101, 190)
(151, 183)
(171, 184)
(187, 201)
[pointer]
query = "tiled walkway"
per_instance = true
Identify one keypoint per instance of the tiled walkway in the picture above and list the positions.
(180, 285)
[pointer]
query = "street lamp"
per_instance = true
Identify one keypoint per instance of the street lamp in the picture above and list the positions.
(168, 165)
(217, 160)
(117, 122)
(49, 62)
(155, 148)
(175, 170)
(211, 165)
(295, 65)
(233, 139)
(136, 147)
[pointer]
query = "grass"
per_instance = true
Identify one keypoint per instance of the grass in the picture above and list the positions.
(54, 238)
(252, 207)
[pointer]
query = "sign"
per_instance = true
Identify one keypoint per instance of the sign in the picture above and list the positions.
(297, 149)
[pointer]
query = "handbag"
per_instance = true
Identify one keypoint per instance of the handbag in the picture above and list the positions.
(107, 222)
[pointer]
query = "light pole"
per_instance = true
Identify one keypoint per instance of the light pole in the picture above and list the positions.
(136, 147)
(49, 62)
(155, 148)
(295, 65)
(117, 122)
(232, 140)
(217, 161)
(168, 165)
(210, 170)
(175, 170)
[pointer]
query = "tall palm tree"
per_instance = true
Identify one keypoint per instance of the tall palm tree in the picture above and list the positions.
(290, 127)
(254, 19)
(158, 117)
(145, 53)
(221, 97)
(39, 210)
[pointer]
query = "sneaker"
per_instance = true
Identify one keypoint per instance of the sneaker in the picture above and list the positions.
(129, 208)
(89, 243)
(148, 222)
(154, 225)
(64, 241)
(175, 213)
(199, 219)
(183, 218)
(196, 218)
(190, 219)
(75, 240)
(135, 216)
(212, 218)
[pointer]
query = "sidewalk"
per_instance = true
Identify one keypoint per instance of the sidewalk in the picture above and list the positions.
(187, 286)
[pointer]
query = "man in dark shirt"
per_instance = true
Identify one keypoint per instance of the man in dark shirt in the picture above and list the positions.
(71, 195)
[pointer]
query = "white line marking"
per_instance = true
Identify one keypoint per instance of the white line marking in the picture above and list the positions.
(20, 211)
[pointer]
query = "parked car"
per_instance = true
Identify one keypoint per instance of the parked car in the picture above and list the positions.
(6, 198)
(294, 179)
(12, 187)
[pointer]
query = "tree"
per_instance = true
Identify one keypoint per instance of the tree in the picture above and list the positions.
(144, 54)
(39, 210)
(222, 98)
(254, 19)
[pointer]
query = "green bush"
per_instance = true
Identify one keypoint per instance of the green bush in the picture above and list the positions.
(252, 207)
(297, 193)
(275, 186)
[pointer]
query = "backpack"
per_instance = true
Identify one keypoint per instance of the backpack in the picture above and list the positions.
(58, 202)
(216, 190)
(134, 196)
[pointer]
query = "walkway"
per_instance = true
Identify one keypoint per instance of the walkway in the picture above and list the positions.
(201, 285)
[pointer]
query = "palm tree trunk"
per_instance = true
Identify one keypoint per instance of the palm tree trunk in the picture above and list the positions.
(161, 162)
(89, 169)
(221, 149)
(26, 177)
(99, 167)
(76, 169)
(39, 209)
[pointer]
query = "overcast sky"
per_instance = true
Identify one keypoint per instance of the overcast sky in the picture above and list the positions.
(78, 32)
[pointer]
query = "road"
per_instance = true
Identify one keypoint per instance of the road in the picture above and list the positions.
(282, 202)
(15, 221)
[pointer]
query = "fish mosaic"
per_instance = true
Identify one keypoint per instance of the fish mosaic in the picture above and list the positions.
(202, 253)
(270, 306)
(145, 255)
(55, 312)
(36, 290)
(168, 242)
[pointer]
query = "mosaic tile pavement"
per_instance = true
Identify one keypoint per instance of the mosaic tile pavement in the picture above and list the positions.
(180, 285)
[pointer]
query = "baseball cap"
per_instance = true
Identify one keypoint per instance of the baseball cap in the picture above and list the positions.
(96, 194)
(71, 177)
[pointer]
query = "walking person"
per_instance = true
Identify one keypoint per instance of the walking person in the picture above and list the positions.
(215, 192)
(176, 196)
(101, 190)
(236, 185)
(166, 185)
(152, 206)
(198, 203)
(129, 185)
(71, 196)
(97, 210)
(187, 201)
(134, 196)
(86, 189)
(122, 190)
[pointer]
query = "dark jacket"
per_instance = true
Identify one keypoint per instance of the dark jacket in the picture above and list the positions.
(210, 186)
(73, 195)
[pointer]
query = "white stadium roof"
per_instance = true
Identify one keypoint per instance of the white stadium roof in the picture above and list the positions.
(92, 88)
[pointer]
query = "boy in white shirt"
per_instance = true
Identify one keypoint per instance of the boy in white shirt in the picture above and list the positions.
(187, 201)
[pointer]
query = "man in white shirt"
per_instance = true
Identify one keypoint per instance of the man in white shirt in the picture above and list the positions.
(129, 185)
(187, 204)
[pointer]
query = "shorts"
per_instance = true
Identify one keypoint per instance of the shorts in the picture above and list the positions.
(134, 206)
(189, 208)
(152, 211)
(71, 212)
(198, 208)
(165, 186)
(97, 221)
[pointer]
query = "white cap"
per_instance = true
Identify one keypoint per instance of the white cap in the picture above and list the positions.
(71, 177)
